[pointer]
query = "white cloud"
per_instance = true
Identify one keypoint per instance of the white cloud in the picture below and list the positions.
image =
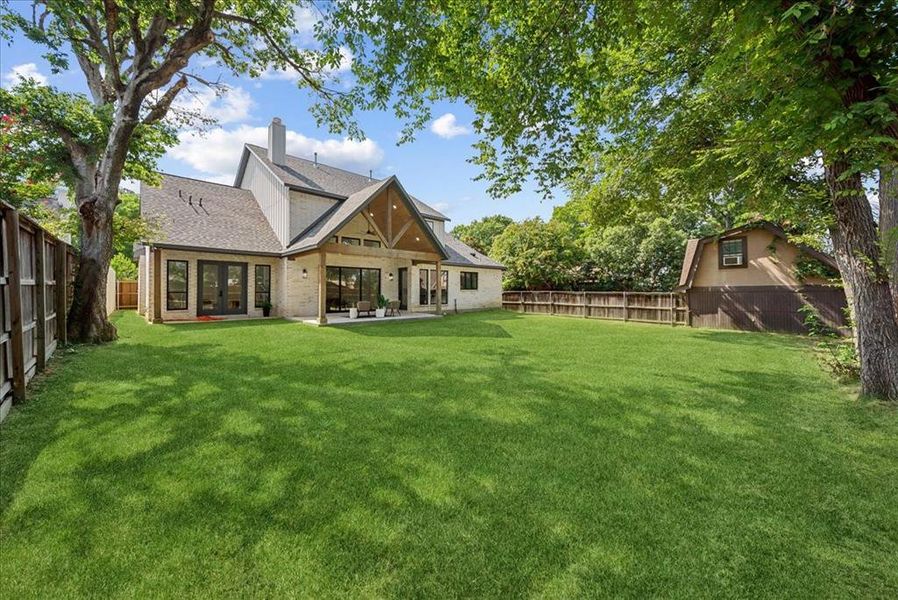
(305, 18)
(24, 71)
(231, 106)
(448, 127)
(217, 152)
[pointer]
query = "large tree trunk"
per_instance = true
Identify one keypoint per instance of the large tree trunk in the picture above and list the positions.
(888, 224)
(88, 320)
(857, 253)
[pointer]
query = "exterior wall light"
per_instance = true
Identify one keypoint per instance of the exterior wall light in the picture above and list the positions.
(390, 276)
(305, 274)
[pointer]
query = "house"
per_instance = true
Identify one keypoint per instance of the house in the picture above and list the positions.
(754, 278)
(308, 238)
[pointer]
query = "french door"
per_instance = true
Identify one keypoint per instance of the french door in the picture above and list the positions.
(221, 288)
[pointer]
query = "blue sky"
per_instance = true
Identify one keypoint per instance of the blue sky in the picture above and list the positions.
(434, 167)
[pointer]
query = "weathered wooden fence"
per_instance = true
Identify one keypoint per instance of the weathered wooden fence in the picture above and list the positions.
(126, 294)
(36, 274)
(648, 307)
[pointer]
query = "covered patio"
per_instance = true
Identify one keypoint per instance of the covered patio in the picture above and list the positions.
(403, 239)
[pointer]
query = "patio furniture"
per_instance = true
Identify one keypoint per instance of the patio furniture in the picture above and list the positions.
(364, 306)
(393, 306)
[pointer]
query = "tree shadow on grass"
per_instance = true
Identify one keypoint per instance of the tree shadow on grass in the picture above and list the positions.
(455, 326)
(266, 469)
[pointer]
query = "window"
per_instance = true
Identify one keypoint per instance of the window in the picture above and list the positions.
(348, 285)
(176, 285)
(427, 281)
(350, 241)
(333, 239)
(263, 285)
(372, 243)
(429, 223)
(733, 252)
(468, 280)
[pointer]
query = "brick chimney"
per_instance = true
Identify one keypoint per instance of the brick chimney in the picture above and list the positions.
(277, 142)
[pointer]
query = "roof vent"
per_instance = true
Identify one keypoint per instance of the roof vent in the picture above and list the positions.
(277, 142)
(316, 160)
(371, 174)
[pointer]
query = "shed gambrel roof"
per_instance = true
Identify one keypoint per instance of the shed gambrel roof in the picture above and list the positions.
(306, 176)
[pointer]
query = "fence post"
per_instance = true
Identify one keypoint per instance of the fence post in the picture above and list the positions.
(521, 300)
(626, 308)
(551, 304)
(16, 336)
(40, 302)
(673, 310)
(62, 285)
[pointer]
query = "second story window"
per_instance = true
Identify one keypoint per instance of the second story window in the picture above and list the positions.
(429, 223)
(372, 243)
(351, 241)
(733, 253)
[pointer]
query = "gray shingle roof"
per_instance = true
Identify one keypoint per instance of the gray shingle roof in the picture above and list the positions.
(229, 218)
(324, 179)
(462, 255)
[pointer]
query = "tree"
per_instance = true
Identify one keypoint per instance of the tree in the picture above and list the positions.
(538, 255)
(888, 224)
(135, 58)
(479, 234)
(767, 95)
(643, 256)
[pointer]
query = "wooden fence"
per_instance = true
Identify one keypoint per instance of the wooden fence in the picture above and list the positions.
(36, 274)
(126, 294)
(648, 307)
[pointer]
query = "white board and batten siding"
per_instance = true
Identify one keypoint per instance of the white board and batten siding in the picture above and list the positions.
(271, 194)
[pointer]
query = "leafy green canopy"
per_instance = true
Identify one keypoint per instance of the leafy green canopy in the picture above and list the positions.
(538, 255)
(700, 102)
(480, 233)
(136, 58)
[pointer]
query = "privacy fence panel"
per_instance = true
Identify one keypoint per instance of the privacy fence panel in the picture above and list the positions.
(745, 308)
(36, 274)
(648, 307)
(126, 294)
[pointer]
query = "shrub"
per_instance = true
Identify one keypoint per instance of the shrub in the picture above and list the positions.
(837, 353)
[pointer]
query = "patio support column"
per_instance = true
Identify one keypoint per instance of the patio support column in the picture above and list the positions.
(322, 287)
(439, 287)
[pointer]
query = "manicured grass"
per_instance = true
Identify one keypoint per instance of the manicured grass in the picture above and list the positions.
(486, 454)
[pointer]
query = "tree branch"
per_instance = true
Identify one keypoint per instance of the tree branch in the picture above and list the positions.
(272, 43)
(161, 107)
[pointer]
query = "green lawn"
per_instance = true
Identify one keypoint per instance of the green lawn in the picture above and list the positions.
(485, 454)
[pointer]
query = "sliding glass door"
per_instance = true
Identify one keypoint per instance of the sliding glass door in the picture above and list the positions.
(348, 285)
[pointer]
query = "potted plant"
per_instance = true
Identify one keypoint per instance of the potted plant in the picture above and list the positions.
(381, 310)
(266, 308)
